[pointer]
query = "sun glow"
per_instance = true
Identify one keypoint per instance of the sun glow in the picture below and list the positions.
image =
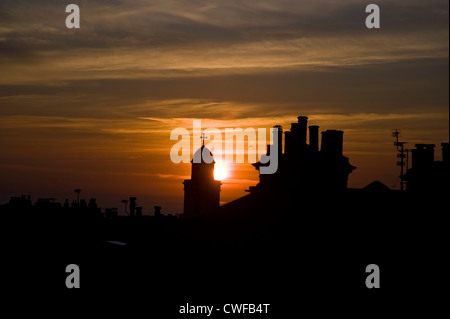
(220, 171)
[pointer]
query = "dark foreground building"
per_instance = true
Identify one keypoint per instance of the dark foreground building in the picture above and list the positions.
(300, 240)
(304, 167)
(427, 175)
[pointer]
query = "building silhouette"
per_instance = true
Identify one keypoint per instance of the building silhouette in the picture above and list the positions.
(427, 175)
(201, 192)
(305, 167)
(293, 227)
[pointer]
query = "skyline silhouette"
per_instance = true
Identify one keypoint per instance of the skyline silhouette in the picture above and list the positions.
(97, 115)
(88, 180)
(290, 229)
(423, 175)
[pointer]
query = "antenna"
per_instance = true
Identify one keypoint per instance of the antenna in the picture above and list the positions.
(401, 156)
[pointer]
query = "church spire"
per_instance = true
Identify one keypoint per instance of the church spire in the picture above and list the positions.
(203, 137)
(202, 191)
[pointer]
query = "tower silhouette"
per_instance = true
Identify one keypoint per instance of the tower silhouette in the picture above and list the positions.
(201, 192)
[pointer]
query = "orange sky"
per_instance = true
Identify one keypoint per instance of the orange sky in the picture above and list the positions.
(93, 108)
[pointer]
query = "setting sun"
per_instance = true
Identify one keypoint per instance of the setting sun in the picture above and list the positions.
(220, 171)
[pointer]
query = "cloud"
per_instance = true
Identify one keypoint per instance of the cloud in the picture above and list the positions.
(167, 39)
(410, 87)
(174, 177)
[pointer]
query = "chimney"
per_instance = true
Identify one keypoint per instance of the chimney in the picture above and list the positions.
(302, 130)
(445, 152)
(280, 139)
(423, 155)
(139, 211)
(132, 206)
(314, 138)
(340, 142)
(287, 142)
(157, 211)
(332, 142)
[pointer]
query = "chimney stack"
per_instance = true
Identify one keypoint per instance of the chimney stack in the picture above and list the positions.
(423, 155)
(445, 147)
(132, 206)
(280, 139)
(287, 142)
(302, 130)
(139, 211)
(332, 142)
(314, 138)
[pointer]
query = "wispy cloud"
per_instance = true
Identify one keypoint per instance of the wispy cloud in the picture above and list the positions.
(166, 39)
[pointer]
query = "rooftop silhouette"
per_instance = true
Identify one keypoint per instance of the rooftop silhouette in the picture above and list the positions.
(302, 166)
(293, 226)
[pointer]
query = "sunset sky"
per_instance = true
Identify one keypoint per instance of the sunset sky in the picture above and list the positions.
(93, 108)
